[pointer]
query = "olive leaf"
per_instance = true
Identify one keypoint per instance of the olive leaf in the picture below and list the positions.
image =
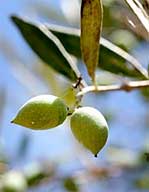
(112, 58)
(47, 46)
(91, 26)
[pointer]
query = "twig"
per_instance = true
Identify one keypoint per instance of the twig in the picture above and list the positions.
(139, 12)
(124, 86)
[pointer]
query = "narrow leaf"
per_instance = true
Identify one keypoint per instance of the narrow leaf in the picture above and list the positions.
(91, 26)
(111, 58)
(46, 46)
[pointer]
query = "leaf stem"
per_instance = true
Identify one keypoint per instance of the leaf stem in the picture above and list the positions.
(129, 86)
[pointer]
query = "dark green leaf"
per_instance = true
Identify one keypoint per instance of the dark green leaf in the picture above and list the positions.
(47, 47)
(109, 59)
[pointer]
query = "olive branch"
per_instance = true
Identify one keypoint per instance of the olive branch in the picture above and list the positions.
(126, 86)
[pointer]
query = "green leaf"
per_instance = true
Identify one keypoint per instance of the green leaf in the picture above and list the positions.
(91, 27)
(109, 59)
(46, 46)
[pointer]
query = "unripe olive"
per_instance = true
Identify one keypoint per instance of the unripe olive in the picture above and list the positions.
(42, 112)
(90, 128)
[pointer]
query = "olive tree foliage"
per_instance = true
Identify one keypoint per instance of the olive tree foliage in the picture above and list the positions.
(59, 48)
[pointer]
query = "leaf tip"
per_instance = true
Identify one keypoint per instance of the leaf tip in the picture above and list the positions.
(13, 17)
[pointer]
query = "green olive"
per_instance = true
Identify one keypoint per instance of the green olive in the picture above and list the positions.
(42, 112)
(90, 128)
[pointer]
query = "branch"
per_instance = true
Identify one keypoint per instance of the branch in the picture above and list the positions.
(125, 87)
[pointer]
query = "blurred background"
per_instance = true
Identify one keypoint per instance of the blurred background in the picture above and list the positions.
(52, 160)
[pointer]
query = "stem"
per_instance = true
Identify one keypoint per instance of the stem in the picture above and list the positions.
(125, 87)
